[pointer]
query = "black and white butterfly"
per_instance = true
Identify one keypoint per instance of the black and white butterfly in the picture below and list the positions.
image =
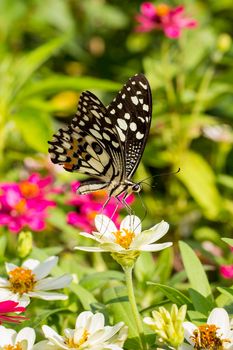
(107, 143)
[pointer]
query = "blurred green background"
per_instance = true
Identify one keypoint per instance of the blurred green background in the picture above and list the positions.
(51, 51)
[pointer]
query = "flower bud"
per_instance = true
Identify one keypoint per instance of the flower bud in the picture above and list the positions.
(24, 246)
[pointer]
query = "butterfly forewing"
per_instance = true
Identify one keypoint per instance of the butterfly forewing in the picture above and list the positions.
(131, 111)
(106, 142)
(90, 144)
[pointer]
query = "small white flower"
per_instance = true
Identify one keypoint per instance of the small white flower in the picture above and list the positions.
(89, 333)
(215, 334)
(10, 339)
(28, 281)
(128, 238)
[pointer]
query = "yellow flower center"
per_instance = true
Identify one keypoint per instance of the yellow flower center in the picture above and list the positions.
(13, 347)
(29, 189)
(206, 337)
(124, 237)
(74, 344)
(162, 10)
(21, 280)
(20, 207)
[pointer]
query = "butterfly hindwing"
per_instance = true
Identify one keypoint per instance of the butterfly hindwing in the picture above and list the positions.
(131, 113)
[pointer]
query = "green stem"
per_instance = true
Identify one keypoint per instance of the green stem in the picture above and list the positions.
(131, 296)
(170, 92)
(204, 85)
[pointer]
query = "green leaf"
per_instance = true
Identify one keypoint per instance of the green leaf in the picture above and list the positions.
(195, 272)
(227, 291)
(201, 304)
(3, 244)
(174, 295)
(35, 127)
(28, 64)
(58, 83)
(96, 280)
(164, 265)
(199, 178)
(228, 241)
(84, 296)
(117, 302)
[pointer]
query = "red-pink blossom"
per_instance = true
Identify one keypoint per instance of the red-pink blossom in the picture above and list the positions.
(226, 271)
(7, 307)
(170, 20)
(87, 206)
(24, 204)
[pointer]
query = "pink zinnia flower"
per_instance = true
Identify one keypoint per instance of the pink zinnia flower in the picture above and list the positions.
(24, 204)
(89, 205)
(10, 306)
(226, 271)
(163, 17)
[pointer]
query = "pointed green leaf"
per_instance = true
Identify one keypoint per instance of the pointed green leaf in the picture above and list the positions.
(195, 271)
(199, 178)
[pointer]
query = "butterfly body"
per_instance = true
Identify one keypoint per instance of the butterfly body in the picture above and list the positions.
(107, 143)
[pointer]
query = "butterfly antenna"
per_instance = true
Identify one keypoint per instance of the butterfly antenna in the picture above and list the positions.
(156, 175)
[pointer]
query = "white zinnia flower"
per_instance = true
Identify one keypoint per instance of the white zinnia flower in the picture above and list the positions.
(28, 280)
(215, 334)
(128, 238)
(89, 333)
(10, 339)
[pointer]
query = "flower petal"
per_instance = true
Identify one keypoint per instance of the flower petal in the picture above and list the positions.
(189, 328)
(44, 268)
(53, 336)
(155, 247)
(10, 267)
(28, 334)
(105, 226)
(51, 283)
(7, 336)
(152, 235)
(220, 318)
(48, 296)
(131, 223)
(31, 264)
(90, 249)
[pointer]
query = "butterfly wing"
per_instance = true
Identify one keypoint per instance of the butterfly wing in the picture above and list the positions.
(131, 112)
(90, 145)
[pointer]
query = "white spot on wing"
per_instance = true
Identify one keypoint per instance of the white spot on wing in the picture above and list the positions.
(96, 133)
(127, 116)
(144, 86)
(134, 100)
(119, 106)
(121, 134)
(139, 136)
(122, 124)
(145, 108)
(133, 126)
(113, 111)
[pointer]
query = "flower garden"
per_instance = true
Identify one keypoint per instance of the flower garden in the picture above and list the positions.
(85, 271)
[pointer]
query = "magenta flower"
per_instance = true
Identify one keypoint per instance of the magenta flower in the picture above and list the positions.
(10, 306)
(162, 17)
(25, 204)
(226, 271)
(89, 205)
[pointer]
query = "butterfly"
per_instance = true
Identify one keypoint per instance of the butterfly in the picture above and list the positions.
(107, 143)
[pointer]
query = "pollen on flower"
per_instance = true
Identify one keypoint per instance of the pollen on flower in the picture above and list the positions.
(74, 344)
(20, 207)
(29, 189)
(162, 9)
(13, 347)
(124, 237)
(21, 280)
(206, 337)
